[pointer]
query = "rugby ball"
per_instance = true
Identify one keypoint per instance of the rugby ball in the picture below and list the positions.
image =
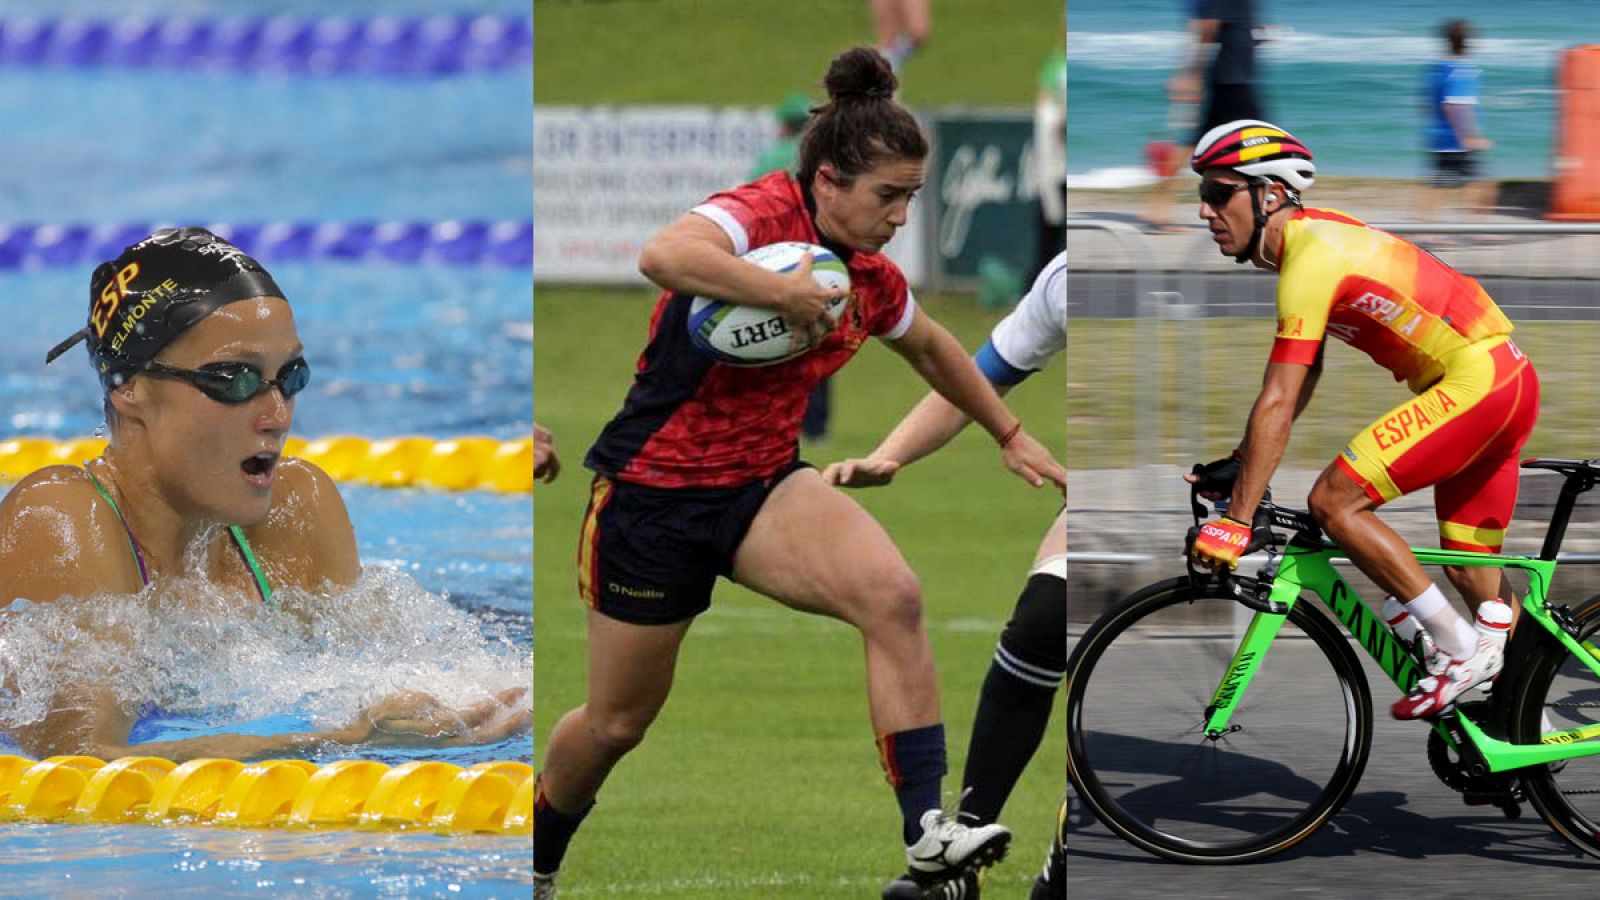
(753, 336)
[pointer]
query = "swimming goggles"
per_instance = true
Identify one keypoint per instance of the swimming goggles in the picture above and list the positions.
(234, 383)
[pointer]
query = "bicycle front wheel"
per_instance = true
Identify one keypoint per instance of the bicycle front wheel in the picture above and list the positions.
(1138, 684)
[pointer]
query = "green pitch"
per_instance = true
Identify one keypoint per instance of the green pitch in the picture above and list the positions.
(744, 53)
(760, 779)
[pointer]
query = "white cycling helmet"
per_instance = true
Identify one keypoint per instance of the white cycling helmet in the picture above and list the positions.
(1256, 148)
(1262, 152)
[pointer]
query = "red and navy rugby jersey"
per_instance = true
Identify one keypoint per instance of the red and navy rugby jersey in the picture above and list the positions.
(690, 421)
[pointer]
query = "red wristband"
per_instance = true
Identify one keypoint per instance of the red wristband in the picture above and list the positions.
(1011, 435)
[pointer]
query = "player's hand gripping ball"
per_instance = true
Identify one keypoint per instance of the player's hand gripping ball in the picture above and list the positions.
(755, 336)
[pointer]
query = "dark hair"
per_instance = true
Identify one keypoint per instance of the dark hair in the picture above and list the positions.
(861, 125)
(1455, 32)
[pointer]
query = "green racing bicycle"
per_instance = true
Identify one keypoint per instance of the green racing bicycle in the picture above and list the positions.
(1222, 719)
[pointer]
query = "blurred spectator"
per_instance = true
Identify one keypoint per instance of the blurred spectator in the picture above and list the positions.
(784, 153)
(1050, 155)
(1453, 138)
(791, 114)
(1220, 67)
(903, 27)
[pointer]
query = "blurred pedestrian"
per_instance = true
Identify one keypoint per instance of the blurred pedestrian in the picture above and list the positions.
(784, 155)
(1454, 141)
(1219, 69)
(903, 27)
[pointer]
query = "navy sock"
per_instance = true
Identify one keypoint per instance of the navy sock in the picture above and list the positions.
(552, 831)
(914, 762)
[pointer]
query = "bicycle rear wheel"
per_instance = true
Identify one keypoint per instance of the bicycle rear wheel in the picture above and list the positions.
(1559, 686)
(1138, 684)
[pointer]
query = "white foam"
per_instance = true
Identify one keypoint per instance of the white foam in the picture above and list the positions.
(192, 649)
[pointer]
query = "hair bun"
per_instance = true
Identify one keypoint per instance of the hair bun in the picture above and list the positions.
(860, 73)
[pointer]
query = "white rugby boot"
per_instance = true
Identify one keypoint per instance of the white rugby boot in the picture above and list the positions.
(948, 849)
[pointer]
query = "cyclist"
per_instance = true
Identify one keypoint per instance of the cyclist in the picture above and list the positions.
(1475, 401)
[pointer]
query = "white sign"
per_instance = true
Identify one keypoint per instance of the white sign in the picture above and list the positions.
(606, 179)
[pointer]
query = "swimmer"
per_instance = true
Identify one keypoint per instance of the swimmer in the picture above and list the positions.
(200, 363)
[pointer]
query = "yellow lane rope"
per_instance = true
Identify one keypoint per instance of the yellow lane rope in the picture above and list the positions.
(495, 797)
(457, 464)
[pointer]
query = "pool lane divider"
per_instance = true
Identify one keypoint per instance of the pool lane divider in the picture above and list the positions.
(456, 464)
(488, 797)
(394, 46)
(503, 243)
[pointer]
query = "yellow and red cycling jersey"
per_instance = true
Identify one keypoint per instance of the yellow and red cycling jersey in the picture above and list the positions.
(1378, 293)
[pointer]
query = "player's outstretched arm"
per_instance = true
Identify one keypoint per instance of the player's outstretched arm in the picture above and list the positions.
(931, 424)
(942, 363)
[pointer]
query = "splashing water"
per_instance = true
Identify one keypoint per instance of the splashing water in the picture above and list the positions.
(185, 646)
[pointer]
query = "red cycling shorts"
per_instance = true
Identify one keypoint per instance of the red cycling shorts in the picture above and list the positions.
(1463, 435)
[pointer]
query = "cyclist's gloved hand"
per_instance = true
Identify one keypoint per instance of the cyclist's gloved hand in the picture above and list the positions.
(1221, 543)
(1215, 479)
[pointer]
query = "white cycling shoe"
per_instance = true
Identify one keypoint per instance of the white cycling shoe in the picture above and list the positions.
(1435, 693)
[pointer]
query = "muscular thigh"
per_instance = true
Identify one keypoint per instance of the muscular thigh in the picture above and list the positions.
(813, 548)
(1476, 411)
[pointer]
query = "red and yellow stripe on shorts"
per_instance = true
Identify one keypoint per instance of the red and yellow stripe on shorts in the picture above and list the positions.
(1462, 435)
(588, 542)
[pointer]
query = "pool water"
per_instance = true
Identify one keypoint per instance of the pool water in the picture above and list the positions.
(431, 349)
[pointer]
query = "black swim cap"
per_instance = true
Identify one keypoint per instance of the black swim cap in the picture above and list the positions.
(155, 291)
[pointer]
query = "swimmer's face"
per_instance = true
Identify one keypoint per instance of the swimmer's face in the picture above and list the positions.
(212, 458)
(867, 212)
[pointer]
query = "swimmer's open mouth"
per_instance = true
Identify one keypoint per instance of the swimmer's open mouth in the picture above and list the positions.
(260, 465)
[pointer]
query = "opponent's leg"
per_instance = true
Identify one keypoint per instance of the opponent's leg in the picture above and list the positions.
(1019, 691)
(816, 550)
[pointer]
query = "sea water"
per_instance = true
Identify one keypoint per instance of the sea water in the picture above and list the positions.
(1347, 78)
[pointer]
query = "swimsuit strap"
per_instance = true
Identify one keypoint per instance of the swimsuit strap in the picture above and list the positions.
(239, 540)
(138, 557)
(262, 586)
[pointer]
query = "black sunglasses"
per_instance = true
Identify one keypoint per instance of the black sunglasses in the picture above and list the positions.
(1216, 194)
(234, 383)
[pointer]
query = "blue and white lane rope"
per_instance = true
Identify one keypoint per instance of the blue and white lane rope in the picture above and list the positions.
(406, 46)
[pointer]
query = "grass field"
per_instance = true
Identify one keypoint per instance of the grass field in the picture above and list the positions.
(1211, 372)
(760, 779)
(738, 52)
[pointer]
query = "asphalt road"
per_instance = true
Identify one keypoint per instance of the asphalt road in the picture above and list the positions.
(1403, 834)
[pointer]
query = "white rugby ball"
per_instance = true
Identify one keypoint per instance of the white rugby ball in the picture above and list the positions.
(753, 336)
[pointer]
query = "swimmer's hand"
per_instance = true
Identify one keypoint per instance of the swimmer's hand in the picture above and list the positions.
(416, 718)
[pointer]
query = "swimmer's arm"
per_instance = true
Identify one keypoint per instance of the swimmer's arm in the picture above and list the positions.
(89, 722)
(243, 747)
(54, 544)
